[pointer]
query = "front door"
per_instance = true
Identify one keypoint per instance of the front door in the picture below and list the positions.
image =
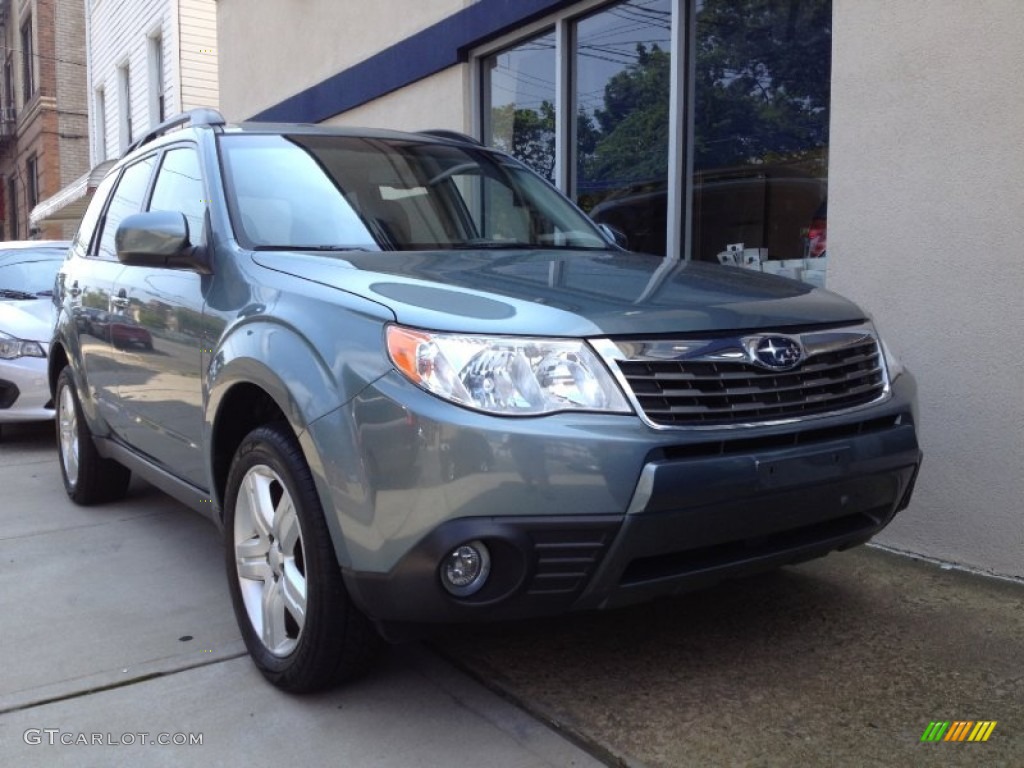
(161, 390)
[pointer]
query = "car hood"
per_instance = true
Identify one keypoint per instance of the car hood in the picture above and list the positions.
(565, 293)
(30, 320)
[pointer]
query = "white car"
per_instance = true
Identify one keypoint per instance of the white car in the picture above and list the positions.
(27, 272)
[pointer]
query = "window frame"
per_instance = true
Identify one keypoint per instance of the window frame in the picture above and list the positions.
(100, 113)
(157, 85)
(124, 92)
(93, 250)
(12, 202)
(32, 180)
(681, 117)
(28, 80)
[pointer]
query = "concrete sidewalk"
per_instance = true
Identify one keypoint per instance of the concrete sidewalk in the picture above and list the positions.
(117, 623)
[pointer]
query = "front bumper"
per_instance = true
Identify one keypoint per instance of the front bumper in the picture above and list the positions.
(701, 511)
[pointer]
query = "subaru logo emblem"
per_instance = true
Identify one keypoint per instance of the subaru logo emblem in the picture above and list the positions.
(780, 353)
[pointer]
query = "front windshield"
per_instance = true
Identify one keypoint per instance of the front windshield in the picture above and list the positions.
(343, 192)
(31, 275)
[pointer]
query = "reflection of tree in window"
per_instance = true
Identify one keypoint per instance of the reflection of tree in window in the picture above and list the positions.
(761, 114)
(522, 94)
(623, 83)
(762, 81)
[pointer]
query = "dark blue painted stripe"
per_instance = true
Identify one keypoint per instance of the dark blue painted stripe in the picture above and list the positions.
(428, 52)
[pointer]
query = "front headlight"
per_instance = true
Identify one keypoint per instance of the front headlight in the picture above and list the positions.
(12, 348)
(506, 375)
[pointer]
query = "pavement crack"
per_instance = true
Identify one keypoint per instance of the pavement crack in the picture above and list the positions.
(120, 684)
(99, 524)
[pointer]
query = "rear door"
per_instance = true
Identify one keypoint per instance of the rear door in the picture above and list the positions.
(87, 285)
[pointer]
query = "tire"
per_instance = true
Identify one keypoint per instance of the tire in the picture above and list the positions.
(282, 567)
(88, 477)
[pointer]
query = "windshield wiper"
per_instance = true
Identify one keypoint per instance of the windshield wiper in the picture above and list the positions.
(10, 293)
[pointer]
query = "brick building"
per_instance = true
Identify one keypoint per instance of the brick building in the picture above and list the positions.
(147, 60)
(44, 141)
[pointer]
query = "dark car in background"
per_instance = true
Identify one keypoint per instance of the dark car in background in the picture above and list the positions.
(774, 207)
(414, 384)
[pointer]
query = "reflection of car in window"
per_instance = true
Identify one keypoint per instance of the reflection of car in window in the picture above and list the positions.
(769, 207)
(120, 330)
(817, 233)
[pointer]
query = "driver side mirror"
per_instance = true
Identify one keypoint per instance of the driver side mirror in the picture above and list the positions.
(158, 239)
(614, 235)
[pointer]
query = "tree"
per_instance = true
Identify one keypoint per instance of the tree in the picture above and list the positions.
(527, 134)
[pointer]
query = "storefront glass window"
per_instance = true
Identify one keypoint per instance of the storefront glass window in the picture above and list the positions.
(753, 139)
(760, 132)
(622, 84)
(521, 116)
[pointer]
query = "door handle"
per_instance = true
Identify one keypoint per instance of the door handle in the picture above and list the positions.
(74, 291)
(121, 300)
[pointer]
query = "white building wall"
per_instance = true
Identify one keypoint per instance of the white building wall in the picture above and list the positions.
(119, 32)
(438, 101)
(926, 226)
(198, 53)
(277, 49)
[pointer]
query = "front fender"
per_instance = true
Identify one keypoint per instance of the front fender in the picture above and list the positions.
(278, 360)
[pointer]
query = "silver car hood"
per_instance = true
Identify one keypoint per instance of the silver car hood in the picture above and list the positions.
(30, 320)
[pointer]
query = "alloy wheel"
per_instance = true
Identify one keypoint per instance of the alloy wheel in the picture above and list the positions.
(269, 559)
(67, 426)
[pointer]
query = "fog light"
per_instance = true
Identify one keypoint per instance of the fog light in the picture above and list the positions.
(466, 568)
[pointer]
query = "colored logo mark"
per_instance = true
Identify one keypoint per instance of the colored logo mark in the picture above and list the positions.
(959, 730)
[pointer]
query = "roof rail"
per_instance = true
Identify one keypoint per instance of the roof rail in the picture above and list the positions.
(444, 133)
(202, 116)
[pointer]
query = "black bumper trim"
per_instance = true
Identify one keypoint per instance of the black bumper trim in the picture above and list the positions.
(539, 566)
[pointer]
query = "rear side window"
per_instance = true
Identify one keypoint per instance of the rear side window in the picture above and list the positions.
(179, 187)
(127, 199)
(83, 237)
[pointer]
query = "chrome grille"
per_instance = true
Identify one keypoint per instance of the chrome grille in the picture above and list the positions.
(714, 382)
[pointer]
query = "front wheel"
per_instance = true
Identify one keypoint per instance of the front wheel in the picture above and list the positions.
(88, 477)
(290, 601)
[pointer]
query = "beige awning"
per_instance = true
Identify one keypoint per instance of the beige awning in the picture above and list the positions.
(68, 205)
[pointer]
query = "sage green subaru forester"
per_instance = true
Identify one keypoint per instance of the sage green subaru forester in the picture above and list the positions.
(414, 384)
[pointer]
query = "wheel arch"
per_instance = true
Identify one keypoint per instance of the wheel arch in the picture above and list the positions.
(57, 360)
(265, 372)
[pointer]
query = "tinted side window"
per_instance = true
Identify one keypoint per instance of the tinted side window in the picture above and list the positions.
(179, 187)
(127, 200)
(83, 237)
